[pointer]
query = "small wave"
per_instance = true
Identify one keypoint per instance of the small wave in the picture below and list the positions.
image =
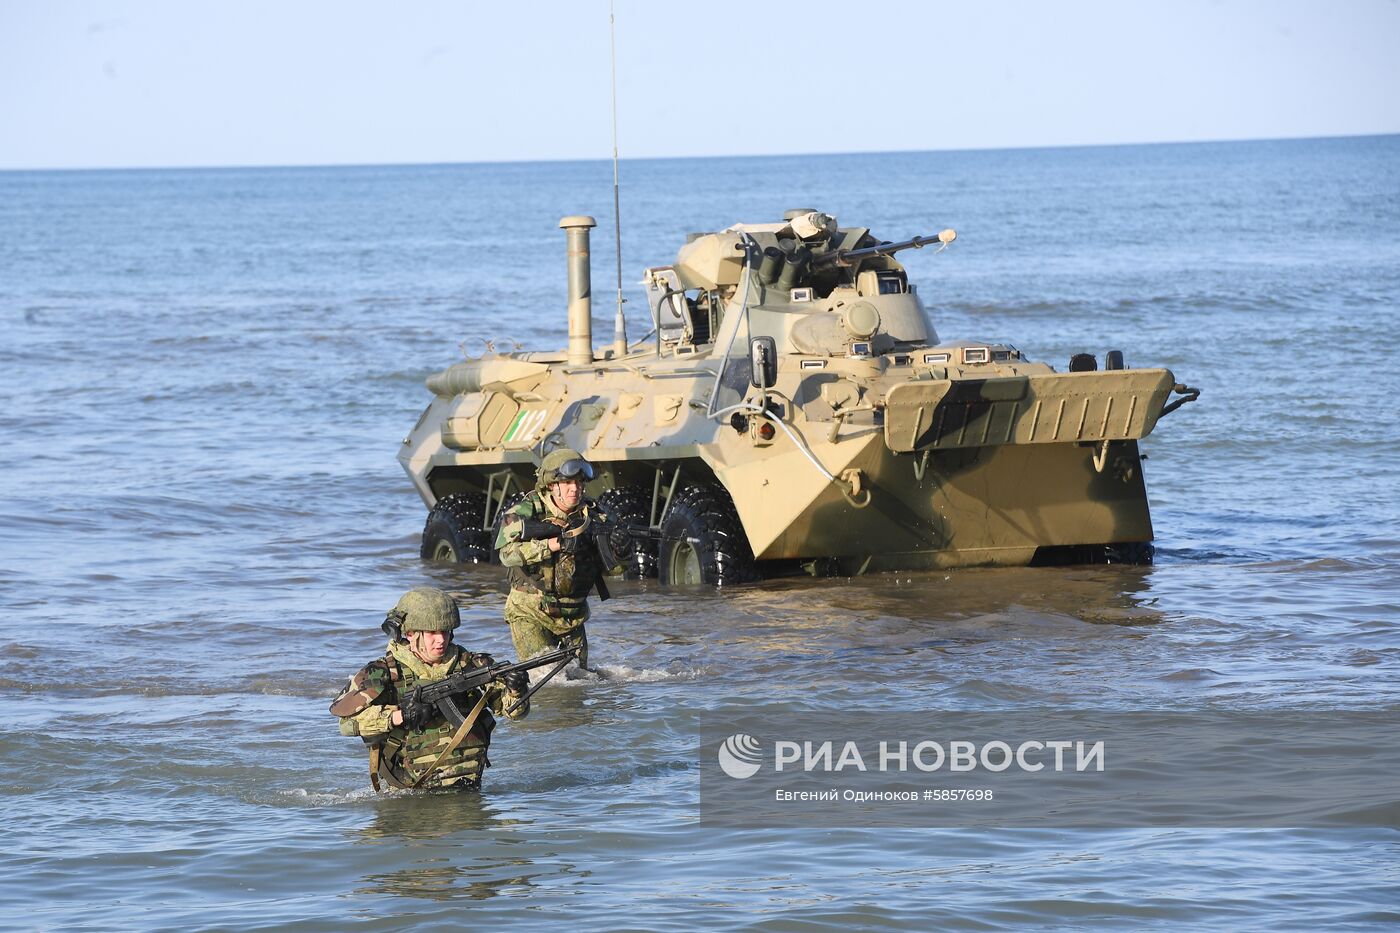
(273, 686)
(1190, 675)
(1377, 814)
(1010, 308)
(1324, 564)
(618, 673)
(1127, 617)
(1202, 555)
(675, 671)
(986, 691)
(317, 798)
(1374, 625)
(600, 776)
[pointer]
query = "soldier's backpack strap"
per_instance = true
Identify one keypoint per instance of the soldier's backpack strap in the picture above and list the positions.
(457, 738)
(376, 751)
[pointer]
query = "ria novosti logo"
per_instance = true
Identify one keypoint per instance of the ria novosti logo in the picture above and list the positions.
(740, 756)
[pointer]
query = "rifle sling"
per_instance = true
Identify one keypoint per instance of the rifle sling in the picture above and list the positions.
(457, 738)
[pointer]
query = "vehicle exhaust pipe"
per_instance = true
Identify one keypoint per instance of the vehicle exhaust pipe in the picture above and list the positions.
(580, 290)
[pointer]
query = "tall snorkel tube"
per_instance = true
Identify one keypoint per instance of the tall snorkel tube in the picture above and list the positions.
(580, 290)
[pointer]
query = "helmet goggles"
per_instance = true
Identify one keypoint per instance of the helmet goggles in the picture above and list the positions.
(574, 469)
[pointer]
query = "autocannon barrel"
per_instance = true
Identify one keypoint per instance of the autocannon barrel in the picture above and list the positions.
(847, 256)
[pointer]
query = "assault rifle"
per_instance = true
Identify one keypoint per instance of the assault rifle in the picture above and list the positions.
(570, 536)
(445, 694)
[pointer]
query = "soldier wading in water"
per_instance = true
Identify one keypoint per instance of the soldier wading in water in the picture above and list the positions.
(426, 751)
(550, 577)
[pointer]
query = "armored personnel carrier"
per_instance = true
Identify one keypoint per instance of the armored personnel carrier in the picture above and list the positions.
(794, 408)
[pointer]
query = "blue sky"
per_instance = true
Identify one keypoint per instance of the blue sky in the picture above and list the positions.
(131, 83)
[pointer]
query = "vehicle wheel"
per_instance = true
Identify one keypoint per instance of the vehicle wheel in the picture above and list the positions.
(629, 505)
(702, 540)
(1130, 552)
(511, 502)
(1113, 359)
(1070, 555)
(453, 532)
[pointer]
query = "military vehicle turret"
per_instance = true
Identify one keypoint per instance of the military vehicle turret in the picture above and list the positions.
(794, 408)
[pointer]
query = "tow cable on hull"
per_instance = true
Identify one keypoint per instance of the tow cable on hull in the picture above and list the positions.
(850, 482)
(1187, 394)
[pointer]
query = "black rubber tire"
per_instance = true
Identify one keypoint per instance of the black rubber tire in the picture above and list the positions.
(453, 531)
(1113, 359)
(1128, 553)
(630, 505)
(1138, 553)
(511, 502)
(721, 557)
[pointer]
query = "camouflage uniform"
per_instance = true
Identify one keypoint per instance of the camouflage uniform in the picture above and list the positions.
(548, 601)
(399, 755)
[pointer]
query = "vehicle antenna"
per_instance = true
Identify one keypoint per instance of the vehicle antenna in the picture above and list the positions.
(620, 321)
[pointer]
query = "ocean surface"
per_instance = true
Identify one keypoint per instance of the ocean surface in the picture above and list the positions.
(204, 379)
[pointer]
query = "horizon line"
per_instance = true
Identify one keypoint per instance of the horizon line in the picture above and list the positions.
(637, 159)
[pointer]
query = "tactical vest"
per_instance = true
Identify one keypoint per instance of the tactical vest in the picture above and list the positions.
(405, 754)
(562, 581)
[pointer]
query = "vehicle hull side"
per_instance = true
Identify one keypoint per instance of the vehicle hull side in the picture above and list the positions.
(935, 507)
(986, 505)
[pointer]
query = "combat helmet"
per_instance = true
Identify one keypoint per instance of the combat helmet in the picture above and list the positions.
(425, 609)
(562, 463)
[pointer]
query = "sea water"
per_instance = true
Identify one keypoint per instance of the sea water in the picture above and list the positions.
(206, 377)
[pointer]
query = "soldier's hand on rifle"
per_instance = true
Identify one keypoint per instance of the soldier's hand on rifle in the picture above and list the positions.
(574, 535)
(517, 682)
(416, 713)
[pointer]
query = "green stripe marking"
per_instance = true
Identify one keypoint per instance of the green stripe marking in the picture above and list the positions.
(515, 425)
